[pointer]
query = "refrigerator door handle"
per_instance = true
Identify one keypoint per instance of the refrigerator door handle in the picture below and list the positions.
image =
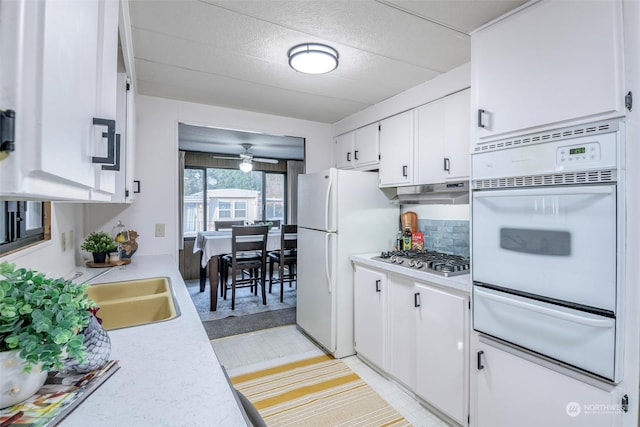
(327, 272)
(327, 210)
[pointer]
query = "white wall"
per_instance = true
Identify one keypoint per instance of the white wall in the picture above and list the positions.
(445, 84)
(157, 164)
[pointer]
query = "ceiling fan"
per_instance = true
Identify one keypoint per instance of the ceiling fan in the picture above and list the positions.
(247, 159)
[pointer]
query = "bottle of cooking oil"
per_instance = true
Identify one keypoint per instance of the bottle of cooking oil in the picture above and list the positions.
(406, 239)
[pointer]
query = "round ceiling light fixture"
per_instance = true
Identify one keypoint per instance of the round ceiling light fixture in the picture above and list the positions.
(313, 58)
(246, 165)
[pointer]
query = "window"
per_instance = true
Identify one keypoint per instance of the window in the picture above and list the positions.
(229, 194)
(239, 210)
(224, 210)
(23, 223)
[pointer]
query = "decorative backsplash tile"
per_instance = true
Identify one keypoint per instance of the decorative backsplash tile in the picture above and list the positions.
(451, 237)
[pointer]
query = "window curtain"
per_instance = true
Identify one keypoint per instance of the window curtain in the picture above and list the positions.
(294, 168)
(181, 163)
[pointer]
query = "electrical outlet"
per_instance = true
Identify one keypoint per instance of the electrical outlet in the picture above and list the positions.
(63, 241)
(159, 230)
(70, 243)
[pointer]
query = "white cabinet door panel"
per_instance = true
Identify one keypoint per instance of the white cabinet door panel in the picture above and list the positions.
(513, 391)
(370, 289)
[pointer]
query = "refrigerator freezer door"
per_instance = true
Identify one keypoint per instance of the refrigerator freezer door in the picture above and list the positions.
(317, 200)
(316, 293)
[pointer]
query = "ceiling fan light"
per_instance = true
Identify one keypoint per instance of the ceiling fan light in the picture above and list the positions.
(246, 165)
(313, 58)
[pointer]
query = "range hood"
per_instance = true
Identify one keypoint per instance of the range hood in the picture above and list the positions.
(447, 193)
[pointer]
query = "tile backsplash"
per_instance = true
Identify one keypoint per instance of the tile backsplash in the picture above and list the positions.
(449, 236)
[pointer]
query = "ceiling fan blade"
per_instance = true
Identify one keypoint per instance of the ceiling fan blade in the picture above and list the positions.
(272, 161)
(231, 157)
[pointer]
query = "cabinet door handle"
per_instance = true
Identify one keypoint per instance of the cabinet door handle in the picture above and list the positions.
(405, 171)
(349, 156)
(110, 134)
(355, 155)
(378, 286)
(447, 164)
(416, 299)
(481, 114)
(479, 361)
(116, 165)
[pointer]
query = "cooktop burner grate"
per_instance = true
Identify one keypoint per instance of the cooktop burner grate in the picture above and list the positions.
(429, 261)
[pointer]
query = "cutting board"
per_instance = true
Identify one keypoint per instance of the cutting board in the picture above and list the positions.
(411, 219)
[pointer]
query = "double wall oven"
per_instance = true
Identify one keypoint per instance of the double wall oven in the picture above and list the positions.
(547, 240)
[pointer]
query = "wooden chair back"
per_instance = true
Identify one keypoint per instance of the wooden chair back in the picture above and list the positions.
(249, 238)
(226, 225)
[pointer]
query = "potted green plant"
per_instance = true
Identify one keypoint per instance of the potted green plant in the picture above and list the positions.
(41, 320)
(99, 244)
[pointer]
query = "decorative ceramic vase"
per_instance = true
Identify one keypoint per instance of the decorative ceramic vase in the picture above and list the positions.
(97, 346)
(99, 257)
(15, 384)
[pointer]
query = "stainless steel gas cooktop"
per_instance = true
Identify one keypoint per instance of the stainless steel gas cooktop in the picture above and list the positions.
(430, 261)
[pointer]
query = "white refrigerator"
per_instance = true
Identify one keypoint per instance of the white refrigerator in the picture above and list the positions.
(340, 213)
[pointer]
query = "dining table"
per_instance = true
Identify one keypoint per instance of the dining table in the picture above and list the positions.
(212, 244)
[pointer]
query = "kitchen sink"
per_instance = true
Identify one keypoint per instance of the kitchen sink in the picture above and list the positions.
(134, 302)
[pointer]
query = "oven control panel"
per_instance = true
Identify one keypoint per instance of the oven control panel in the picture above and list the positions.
(568, 155)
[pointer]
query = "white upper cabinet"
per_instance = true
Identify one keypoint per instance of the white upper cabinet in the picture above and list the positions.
(552, 62)
(344, 150)
(358, 149)
(366, 146)
(62, 77)
(396, 150)
(443, 140)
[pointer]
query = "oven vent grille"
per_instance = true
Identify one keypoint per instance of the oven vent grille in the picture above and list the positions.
(568, 178)
(552, 135)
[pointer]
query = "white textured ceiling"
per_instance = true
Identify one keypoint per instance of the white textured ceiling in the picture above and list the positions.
(233, 53)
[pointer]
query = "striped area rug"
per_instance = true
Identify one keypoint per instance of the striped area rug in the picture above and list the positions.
(320, 391)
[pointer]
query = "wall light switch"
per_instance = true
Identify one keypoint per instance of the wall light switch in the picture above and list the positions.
(159, 230)
(63, 241)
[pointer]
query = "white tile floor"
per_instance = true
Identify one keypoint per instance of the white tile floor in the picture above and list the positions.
(272, 347)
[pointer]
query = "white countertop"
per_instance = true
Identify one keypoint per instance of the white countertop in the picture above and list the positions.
(169, 374)
(461, 282)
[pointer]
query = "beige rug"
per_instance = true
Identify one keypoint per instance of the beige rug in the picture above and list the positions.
(320, 391)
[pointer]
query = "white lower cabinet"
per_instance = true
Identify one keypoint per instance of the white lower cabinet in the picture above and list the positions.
(510, 390)
(442, 349)
(417, 334)
(401, 343)
(369, 314)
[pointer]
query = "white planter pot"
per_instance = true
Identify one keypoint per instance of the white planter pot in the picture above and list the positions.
(15, 384)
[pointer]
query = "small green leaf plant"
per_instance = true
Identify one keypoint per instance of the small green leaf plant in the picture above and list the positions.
(99, 241)
(42, 317)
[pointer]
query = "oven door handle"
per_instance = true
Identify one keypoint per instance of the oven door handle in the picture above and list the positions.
(587, 321)
(555, 191)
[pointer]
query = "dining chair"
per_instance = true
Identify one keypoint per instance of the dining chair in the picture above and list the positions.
(248, 252)
(226, 225)
(286, 257)
(223, 267)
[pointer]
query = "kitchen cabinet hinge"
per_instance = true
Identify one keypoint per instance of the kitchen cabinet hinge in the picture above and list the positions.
(379, 128)
(379, 156)
(468, 419)
(7, 130)
(469, 305)
(628, 100)
(128, 86)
